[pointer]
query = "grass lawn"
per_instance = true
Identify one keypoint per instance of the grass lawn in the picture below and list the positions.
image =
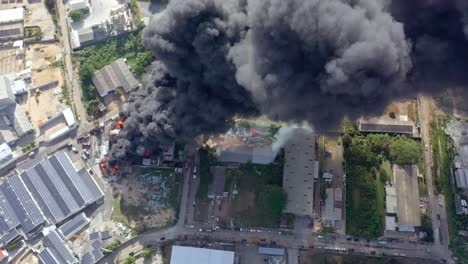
(251, 180)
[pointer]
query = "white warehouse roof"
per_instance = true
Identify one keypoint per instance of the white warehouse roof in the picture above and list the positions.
(78, 4)
(193, 255)
(11, 15)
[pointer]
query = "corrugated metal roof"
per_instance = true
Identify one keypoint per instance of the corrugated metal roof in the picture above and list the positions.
(93, 236)
(91, 185)
(192, 255)
(11, 15)
(106, 235)
(385, 128)
(54, 183)
(113, 76)
(43, 196)
(271, 251)
(47, 257)
(97, 255)
(8, 218)
(96, 244)
(5, 152)
(74, 225)
(70, 177)
(58, 248)
(87, 258)
(23, 204)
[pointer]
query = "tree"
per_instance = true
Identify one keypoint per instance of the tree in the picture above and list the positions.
(147, 252)
(273, 199)
(129, 260)
(405, 151)
(76, 15)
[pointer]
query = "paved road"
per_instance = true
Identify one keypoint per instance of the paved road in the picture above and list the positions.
(333, 243)
(70, 77)
(437, 211)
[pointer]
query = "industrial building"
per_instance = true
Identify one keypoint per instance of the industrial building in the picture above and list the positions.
(11, 25)
(300, 170)
(74, 5)
(193, 255)
(114, 76)
(391, 200)
(407, 197)
(13, 121)
(397, 126)
(91, 35)
(74, 225)
(244, 154)
(46, 193)
(216, 188)
(55, 251)
(333, 210)
(5, 153)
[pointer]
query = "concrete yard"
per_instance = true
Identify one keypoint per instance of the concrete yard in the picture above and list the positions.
(406, 181)
(98, 13)
(41, 106)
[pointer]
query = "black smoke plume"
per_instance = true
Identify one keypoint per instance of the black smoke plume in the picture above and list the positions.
(295, 60)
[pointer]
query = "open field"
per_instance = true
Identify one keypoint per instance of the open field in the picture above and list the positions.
(147, 198)
(254, 184)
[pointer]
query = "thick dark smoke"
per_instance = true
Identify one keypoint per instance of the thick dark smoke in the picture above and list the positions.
(296, 60)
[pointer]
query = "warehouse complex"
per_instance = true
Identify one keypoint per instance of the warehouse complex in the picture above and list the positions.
(47, 193)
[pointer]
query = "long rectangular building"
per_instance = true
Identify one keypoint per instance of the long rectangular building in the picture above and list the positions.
(300, 169)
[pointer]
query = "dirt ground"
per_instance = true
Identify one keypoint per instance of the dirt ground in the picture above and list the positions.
(29, 258)
(235, 207)
(408, 108)
(11, 60)
(41, 55)
(134, 204)
(41, 106)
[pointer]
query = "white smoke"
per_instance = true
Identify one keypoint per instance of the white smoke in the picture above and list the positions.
(285, 133)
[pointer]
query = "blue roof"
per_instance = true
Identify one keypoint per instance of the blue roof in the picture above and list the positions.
(271, 251)
(72, 180)
(74, 225)
(58, 248)
(47, 257)
(23, 203)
